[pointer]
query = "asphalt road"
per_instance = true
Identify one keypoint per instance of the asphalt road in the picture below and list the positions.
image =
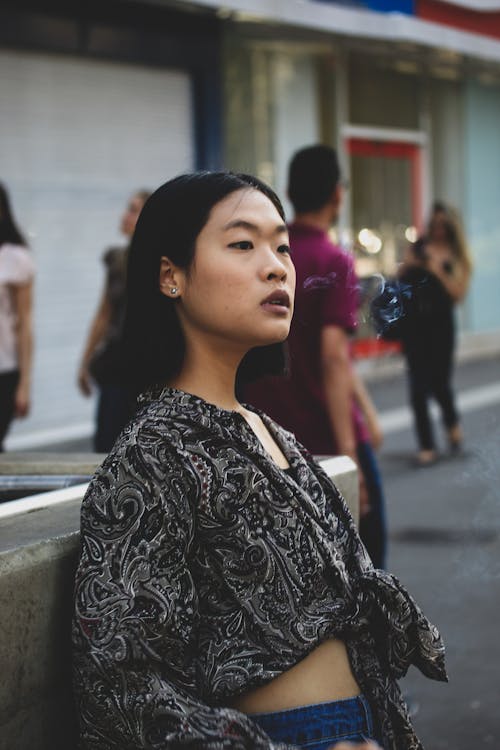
(444, 526)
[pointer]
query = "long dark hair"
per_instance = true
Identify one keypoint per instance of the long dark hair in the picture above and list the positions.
(455, 236)
(170, 221)
(9, 232)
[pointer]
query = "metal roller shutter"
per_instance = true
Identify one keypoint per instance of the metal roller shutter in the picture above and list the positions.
(77, 137)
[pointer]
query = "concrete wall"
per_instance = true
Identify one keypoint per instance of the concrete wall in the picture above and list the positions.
(38, 556)
(37, 561)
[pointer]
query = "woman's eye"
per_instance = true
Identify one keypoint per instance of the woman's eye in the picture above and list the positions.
(284, 249)
(243, 245)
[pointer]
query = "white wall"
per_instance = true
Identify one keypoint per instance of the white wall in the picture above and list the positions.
(296, 112)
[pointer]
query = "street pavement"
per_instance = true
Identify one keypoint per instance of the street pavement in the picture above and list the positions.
(444, 524)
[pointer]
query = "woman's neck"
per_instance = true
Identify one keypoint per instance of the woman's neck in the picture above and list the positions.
(211, 376)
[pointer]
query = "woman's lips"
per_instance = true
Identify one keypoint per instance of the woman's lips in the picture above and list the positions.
(275, 309)
(278, 302)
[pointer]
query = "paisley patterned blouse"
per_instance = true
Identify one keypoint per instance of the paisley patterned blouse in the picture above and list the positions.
(206, 570)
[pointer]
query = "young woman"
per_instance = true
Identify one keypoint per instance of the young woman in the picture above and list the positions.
(16, 331)
(223, 598)
(100, 362)
(438, 269)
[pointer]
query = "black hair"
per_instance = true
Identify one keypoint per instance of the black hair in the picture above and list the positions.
(172, 218)
(313, 175)
(9, 232)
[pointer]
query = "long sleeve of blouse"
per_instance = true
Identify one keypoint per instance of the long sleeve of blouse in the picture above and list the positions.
(136, 615)
(206, 571)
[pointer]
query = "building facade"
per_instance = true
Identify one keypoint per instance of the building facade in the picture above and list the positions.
(98, 100)
(411, 104)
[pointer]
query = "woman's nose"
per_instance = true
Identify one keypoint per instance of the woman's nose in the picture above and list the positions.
(274, 267)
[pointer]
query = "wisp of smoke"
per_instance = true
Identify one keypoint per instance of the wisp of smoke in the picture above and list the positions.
(389, 304)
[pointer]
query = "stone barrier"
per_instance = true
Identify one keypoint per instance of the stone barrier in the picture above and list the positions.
(39, 544)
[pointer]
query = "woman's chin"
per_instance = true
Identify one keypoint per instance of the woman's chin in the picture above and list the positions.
(270, 340)
(265, 335)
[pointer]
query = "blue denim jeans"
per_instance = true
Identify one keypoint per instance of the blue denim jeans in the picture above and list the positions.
(321, 725)
(373, 526)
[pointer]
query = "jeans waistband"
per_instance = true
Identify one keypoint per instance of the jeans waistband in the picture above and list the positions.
(319, 725)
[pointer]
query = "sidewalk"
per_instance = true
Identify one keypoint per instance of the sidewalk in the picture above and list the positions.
(444, 525)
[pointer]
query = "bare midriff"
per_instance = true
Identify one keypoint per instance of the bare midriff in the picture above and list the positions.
(323, 675)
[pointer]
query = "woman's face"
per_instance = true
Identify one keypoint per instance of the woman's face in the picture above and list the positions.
(438, 228)
(240, 288)
(130, 216)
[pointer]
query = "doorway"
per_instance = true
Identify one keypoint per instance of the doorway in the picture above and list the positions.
(386, 213)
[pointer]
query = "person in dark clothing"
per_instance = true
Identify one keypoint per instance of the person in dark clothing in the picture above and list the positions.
(322, 400)
(100, 364)
(436, 270)
(223, 597)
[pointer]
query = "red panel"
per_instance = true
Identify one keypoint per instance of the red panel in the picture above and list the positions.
(395, 150)
(416, 189)
(389, 149)
(447, 14)
(364, 348)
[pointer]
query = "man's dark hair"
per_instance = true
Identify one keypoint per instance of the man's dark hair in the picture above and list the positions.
(313, 175)
(153, 342)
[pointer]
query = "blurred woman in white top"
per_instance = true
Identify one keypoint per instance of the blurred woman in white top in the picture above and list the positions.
(16, 336)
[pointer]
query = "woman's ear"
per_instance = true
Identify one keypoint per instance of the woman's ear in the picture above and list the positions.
(171, 279)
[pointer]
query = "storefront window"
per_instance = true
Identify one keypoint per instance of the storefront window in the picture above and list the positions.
(381, 96)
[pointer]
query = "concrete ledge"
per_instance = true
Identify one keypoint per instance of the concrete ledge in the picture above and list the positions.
(23, 474)
(38, 556)
(43, 500)
(343, 473)
(36, 707)
(49, 464)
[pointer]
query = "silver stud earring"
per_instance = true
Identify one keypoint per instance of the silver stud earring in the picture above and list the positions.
(173, 290)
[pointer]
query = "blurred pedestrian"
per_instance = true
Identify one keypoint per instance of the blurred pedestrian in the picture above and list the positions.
(16, 334)
(437, 270)
(319, 400)
(100, 364)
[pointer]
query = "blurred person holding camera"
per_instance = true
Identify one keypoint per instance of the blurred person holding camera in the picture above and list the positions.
(435, 272)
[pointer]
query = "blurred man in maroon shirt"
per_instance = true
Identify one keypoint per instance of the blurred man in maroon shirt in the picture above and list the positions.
(323, 400)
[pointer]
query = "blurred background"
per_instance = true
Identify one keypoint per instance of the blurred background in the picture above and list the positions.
(102, 98)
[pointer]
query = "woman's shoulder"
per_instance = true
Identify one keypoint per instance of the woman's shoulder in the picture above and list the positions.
(148, 457)
(17, 263)
(156, 433)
